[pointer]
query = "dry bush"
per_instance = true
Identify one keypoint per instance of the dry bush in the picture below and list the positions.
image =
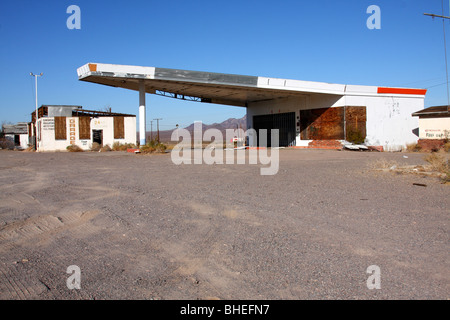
(74, 148)
(146, 148)
(117, 146)
(413, 147)
(105, 148)
(96, 146)
(6, 144)
(153, 146)
(447, 147)
(438, 162)
(355, 136)
(383, 164)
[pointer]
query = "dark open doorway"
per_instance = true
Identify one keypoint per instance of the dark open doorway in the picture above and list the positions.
(284, 122)
(97, 136)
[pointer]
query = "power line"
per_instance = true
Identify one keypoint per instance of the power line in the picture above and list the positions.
(445, 50)
(445, 47)
(436, 85)
(157, 124)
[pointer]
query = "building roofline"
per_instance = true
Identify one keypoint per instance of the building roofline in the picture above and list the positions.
(223, 88)
(433, 111)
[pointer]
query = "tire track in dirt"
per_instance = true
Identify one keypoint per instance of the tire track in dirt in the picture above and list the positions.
(41, 228)
(20, 237)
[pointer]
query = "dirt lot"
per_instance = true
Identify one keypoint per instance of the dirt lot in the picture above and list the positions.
(140, 227)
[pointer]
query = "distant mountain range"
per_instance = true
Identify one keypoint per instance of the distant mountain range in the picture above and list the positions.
(231, 123)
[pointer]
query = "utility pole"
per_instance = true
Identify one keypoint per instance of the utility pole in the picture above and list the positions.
(157, 124)
(445, 48)
(36, 115)
(151, 130)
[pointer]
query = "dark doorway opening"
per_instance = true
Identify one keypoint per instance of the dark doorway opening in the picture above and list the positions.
(97, 136)
(284, 122)
(17, 140)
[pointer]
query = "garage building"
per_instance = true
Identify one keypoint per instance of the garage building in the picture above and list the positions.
(306, 113)
(60, 126)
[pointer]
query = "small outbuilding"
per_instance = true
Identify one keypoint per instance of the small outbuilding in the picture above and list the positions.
(17, 134)
(59, 126)
(434, 127)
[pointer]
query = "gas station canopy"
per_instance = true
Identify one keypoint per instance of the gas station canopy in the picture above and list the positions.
(228, 89)
(219, 88)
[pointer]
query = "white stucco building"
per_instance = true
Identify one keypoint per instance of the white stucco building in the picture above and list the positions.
(60, 126)
(305, 112)
(434, 122)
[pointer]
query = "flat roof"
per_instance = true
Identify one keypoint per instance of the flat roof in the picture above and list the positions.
(221, 88)
(18, 128)
(438, 111)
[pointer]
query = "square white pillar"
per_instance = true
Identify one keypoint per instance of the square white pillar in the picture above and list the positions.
(142, 120)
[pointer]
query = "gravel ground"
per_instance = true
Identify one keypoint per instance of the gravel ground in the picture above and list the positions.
(141, 227)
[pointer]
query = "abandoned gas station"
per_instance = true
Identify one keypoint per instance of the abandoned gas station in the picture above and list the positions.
(305, 112)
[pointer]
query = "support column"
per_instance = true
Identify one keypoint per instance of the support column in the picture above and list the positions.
(142, 127)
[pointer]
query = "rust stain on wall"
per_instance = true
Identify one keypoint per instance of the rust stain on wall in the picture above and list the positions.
(329, 123)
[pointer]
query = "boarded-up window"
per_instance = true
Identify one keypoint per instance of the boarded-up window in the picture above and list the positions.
(119, 128)
(328, 124)
(355, 124)
(322, 124)
(60, 128)
(84, 128)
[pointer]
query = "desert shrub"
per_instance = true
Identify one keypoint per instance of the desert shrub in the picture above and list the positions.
(355, 137)
(437, 162)
(6, 144)
(160, 147)
(74, 148)
(447, 147)
(146, 148)
(105, 148)
(153, 146)
(446, 177)
(117, 146)
(96, 146)
(413, 147)
(383, 164)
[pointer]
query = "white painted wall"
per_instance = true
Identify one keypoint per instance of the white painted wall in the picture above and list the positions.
(23, 139)
(389, 121)
(46, 136)
(434, 128)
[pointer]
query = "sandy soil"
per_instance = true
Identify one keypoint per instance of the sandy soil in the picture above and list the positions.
(141, 227)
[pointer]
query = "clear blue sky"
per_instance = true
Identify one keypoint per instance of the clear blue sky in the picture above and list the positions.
(321, 40)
